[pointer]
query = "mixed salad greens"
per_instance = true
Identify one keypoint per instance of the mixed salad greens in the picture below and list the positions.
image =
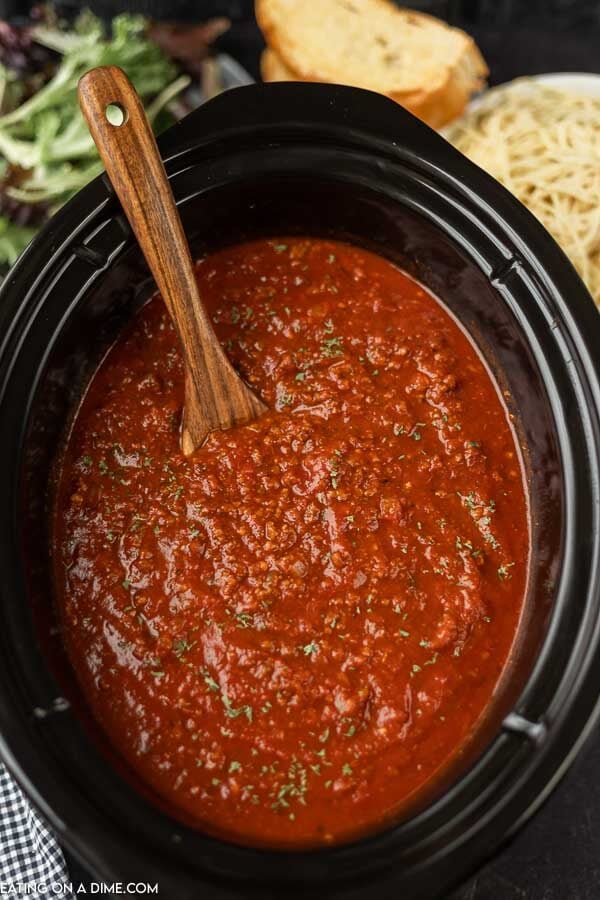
(46, 152)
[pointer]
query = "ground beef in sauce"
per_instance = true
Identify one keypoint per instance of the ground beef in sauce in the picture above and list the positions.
(290, 633)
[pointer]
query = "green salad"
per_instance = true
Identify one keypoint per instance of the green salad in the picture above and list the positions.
(46, 152)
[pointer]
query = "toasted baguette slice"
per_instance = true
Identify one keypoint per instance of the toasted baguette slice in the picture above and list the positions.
(272, 67)
(415, 59)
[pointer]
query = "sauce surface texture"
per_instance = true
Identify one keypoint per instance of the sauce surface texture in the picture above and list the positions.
(289, 634)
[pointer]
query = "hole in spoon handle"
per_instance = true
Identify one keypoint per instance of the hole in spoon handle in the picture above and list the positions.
(116, 114)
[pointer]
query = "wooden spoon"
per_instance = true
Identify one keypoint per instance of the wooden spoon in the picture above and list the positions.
(215, 395)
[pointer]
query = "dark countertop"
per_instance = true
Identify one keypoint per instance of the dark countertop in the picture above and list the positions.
(556, 856)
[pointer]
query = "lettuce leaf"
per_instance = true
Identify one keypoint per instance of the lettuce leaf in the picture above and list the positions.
(13, 239)
(45, 140)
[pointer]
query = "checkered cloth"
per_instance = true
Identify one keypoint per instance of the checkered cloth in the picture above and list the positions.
(29, 854)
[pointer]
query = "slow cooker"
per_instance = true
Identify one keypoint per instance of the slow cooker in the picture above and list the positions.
(326, 161)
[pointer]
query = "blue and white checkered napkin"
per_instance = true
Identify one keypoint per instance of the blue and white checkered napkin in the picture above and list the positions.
(31, 862)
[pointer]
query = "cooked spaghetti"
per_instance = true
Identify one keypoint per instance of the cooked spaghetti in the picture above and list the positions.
(543, 144)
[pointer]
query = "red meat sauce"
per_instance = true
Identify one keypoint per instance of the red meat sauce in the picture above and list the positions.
(291, 633)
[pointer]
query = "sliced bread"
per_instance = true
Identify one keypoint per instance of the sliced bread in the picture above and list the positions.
(415, 59)
(272, 67)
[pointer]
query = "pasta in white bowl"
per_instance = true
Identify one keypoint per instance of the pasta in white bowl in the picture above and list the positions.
(540, 137)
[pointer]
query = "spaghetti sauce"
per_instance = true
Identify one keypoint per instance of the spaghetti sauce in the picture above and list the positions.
(292, 633)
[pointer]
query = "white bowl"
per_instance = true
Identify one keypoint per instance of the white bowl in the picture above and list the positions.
(578, 82)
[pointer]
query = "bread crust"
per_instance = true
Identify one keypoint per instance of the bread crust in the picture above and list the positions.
(436, 104)
(272, 68)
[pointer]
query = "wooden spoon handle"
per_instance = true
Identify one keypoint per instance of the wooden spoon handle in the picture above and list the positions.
(133, 164)
(216, 397)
